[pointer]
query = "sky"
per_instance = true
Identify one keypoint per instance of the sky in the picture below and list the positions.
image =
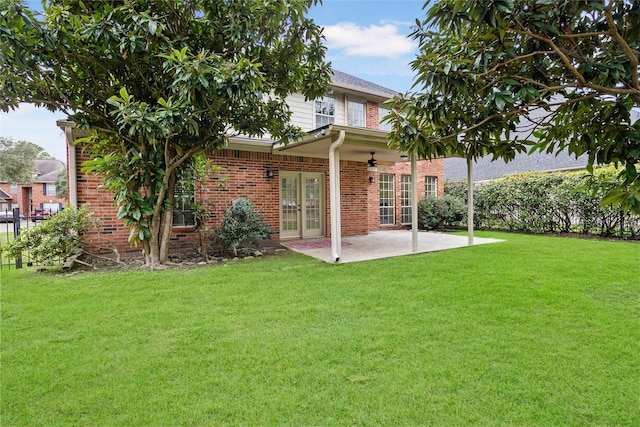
(364, 38)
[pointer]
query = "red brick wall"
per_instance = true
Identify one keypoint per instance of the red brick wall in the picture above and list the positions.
(247, 179)
(372, 115)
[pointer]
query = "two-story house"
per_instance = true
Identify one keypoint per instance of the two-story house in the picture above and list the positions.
(37, 195)
(340, 179)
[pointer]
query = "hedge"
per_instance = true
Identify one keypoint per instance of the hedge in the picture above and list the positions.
(539, 202)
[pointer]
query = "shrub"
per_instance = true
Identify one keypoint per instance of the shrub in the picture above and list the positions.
(56, 238)
(241, 224)
(434, 212)
(541, 202)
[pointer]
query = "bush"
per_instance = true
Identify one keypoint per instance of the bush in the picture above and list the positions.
(539, 202)
(435, 212)
(56, 238)
(241, 224)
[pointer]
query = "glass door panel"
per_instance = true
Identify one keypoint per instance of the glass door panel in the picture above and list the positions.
(289, 201)
(313, 206)
(302, 205)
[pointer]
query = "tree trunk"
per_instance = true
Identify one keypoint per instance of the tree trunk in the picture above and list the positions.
(167, 219)
(160, 226)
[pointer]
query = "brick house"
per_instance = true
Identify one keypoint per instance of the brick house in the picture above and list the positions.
(40, 194)
(342, 161)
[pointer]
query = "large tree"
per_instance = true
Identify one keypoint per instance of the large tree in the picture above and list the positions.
(566, 71)
(160, 81)
(17, 160)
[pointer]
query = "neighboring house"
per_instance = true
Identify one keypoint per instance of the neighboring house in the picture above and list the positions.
(292, 185)
(455, 169)
(40, 194)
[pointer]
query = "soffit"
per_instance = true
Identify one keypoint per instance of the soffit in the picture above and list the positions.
(358, 145)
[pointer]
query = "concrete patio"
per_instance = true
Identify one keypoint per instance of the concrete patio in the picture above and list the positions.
(382, 244)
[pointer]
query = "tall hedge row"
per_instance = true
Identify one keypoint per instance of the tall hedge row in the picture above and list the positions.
(538, 202)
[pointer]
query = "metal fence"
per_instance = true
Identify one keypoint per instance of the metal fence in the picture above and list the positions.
(12, 223)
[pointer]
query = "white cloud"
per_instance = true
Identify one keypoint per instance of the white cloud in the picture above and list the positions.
(37, 125)
(373, 41)
(398, 23)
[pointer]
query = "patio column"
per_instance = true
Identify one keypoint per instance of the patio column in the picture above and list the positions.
(414, 204)
(334, 197)
(470, 201)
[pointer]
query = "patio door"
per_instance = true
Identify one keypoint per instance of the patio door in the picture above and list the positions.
(302, 205)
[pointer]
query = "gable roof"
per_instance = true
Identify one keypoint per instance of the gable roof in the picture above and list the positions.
(48, 170)
(4, 196)
(348, 81)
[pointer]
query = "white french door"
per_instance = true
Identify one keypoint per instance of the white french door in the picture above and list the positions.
(302, 205)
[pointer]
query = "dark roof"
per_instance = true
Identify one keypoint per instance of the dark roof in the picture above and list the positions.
(48, 170)
(346, 80)
(5, 196)
(455, 169)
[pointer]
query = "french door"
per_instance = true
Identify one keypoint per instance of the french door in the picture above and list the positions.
(302, 205)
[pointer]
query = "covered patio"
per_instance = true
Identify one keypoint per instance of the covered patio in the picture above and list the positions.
(338, 142)
(382, 244)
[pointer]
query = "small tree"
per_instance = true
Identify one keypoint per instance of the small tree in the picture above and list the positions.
(241, 224)
(563, 71)
(17, 160)
(57, 238)
(159, 81)
(62, 186)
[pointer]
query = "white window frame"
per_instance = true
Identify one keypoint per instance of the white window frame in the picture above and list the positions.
(405, 199)
(14, 189)
(49, 189)
(183, 205)
(387, 199)
(386, 126)
(431, 186)
(325, 111)
(356, 115)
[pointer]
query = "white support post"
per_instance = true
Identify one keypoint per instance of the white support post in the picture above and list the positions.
(414, 204)
(470, 200)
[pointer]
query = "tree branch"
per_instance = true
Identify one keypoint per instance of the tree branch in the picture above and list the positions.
(629, 53)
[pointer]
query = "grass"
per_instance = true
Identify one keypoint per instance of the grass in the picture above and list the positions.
(532, 331)
(6, 234)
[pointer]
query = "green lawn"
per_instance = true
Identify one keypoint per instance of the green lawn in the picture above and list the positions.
(532, 331)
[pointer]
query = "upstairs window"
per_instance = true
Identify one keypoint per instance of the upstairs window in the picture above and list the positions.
(382, 112)
(49, 189)
(14, 188)
(325, 111)
(356, 114)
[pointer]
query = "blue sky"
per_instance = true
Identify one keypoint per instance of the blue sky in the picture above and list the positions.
(365, 38)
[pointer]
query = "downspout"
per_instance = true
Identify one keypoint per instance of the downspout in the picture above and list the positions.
(414, 204)
(71, 167)
(334, 196)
